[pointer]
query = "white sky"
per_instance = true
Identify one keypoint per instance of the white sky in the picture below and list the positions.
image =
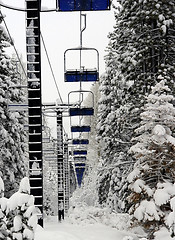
(60, 31)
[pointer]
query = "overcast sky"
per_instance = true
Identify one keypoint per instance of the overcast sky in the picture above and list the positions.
(60, 30)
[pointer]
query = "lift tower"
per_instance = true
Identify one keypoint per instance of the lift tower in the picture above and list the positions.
(34, 102)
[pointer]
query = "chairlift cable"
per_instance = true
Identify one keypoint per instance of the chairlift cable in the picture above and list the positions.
(8, 31)
(24, 10)
(51, 68)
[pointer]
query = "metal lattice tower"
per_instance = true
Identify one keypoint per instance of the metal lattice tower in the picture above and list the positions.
(66, 177)
(34, 102)
(60, 156)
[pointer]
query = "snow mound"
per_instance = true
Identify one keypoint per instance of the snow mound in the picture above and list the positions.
(83, 215)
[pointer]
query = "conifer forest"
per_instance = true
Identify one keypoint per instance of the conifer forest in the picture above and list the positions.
(125, 168)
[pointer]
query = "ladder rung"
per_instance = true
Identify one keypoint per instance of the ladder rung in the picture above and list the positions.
(36, 187)
(34, 80)
(33, 62)
(35, 178)
(31, 18)
(34, 98)
(33, 89)
(33, 134)
(32, 71)
(32, 45)
(29, 54)
(34, 107)
(39, 169)
(34, 142)
(32, 36)
(34, 152)
(37, 160)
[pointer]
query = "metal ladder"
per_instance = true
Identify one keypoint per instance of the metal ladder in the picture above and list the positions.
(34, 102)
(60, 156)
(66, 177)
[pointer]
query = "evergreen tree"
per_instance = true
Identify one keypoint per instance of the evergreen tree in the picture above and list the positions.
(13, 136)
(152, 180)
(141, 48)
(18, 215)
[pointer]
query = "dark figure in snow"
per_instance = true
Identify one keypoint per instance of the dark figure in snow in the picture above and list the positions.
(61, 211)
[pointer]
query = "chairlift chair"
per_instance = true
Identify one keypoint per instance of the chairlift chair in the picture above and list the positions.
(80, 128)
(82, 5)
(80, 141)
(81, 110)
(79, 173)
(81, 73)
(80, 159)
(80, 152)
(80, 165)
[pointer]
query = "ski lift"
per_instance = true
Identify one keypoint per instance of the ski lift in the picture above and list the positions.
(80, 128)
(80, 159)
(79, 173)
(82, 5)
(80, 141)
(81, 73)
(80, 152)
(81, 110)
(80, 165)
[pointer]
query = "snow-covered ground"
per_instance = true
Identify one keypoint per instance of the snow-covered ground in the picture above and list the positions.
(82, 225)
(66, 231)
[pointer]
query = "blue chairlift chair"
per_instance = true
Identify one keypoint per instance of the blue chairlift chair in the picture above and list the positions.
(80, 159)
(80, 128)
(83, 5)
(79, 173)
(80, 141)
(81, 110)
(82, 74)
(80, 165)
(80, 152)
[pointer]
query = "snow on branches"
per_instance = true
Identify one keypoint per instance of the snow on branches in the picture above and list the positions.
(18, 215)
(152, 179)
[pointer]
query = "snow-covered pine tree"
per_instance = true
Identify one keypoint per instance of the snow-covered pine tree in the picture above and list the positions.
(105, 132)
(13, 136)
(152, 180)
(21, 213)
(18, 215)
(141, 48)
(3, 203)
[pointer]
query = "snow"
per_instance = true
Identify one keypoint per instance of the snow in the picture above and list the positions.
(66, 231)
(96, 231)
(24, 185)
(146, 211)
(1, 186)
(159, 130)
(161, 197)
(17, 223)
(164, 192)
(19, 199)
